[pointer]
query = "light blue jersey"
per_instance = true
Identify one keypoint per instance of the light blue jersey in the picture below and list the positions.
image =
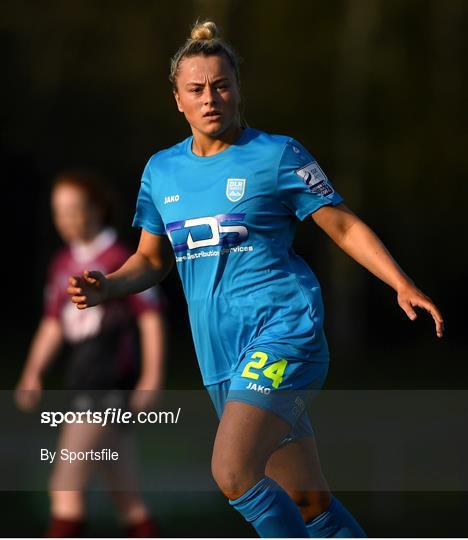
(231, 220)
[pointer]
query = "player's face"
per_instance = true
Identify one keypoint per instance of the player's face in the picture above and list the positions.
(74, 217)
(208, 94)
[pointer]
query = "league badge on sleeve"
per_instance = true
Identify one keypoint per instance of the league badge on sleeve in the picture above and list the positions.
(316, 179)
(235, 189)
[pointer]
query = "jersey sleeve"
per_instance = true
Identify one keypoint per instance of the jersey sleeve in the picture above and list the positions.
(302, 185)
(146, 215)
(53, 295)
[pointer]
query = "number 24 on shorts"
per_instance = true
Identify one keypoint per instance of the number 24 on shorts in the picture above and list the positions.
(274, 372)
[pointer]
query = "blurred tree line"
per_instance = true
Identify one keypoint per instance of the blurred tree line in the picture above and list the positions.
(376, 89)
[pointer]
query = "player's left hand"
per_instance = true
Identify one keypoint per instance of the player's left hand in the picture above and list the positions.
(409, 297)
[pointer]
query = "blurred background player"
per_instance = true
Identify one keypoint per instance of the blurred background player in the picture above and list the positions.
(102, 357)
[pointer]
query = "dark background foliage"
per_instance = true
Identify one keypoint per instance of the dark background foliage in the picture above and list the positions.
(375, 89)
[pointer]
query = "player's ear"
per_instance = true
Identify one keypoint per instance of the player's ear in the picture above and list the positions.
(177, 98)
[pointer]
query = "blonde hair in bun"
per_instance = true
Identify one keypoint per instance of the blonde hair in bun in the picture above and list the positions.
(204, 40)
(204, 31)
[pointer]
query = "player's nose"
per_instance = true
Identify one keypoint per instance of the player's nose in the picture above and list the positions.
(209, 95)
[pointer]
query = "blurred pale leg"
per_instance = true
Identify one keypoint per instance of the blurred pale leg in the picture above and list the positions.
(70, 480)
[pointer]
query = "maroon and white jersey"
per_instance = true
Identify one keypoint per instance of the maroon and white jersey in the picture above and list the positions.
(103, 341)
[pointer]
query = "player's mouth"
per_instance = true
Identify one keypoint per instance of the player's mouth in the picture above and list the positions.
(212, 115)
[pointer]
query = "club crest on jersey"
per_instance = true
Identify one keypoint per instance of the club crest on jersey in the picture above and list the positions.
(235, 189)
(316, 179)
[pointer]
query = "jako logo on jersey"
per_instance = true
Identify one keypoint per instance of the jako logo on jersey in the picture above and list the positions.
(207, 231)
(235, 189)
(171, 198)
(316, 179)
(258, 388)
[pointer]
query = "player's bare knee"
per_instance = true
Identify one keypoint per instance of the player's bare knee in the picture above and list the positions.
(64, 496)
(67, 504)
(311, 503)
(233, 480)
(226, 477)
(301, 498)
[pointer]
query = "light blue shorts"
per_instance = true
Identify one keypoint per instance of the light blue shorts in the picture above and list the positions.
(283, 386)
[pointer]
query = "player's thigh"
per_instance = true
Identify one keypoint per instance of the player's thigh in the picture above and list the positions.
(69, 473)
(246, 437)
(121, 474)
(263, 409)
(296, 467)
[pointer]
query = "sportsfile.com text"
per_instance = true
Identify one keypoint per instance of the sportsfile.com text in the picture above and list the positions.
(111, 415)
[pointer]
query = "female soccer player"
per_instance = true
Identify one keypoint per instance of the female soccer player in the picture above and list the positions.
(101, 356)
(225, 202)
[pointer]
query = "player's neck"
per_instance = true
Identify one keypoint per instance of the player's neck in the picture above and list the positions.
(203, 145)
(92, 234)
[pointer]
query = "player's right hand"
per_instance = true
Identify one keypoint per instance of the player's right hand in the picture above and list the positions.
(28, 393)
(88, 290)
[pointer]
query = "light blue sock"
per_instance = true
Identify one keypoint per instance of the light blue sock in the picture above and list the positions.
(271, 511)
(335, 522)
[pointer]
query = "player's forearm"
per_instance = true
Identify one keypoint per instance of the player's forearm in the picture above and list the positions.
(151, 326)
(46, 343)
(365, 247)
(137, 274)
